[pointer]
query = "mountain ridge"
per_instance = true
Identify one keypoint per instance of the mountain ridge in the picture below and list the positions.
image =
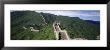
(76, 27)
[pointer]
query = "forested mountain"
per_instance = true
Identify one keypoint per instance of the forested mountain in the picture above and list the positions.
(94, 22)
(31, 25)
(23, 24)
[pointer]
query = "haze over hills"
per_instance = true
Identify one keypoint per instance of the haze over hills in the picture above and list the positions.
(94, 22)
(31, 25)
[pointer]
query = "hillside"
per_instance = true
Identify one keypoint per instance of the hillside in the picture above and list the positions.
(22, 23)
(94, 22)
(30, 25)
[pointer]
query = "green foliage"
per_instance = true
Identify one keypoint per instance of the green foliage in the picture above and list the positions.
(76, 28)
(20, 19)
(49, 18)
(46, 33)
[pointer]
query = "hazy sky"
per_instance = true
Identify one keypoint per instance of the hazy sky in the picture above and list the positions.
(83, 14)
